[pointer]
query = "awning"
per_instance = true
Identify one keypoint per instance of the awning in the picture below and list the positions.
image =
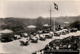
(31, 26)
(6, 31)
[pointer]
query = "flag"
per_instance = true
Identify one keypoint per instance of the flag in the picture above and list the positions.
(55, 6)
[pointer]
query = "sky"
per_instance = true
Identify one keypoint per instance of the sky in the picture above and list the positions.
(36, 8)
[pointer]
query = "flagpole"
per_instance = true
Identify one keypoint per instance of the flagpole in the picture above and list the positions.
(50, 16)
(56, 8)
(54, 24)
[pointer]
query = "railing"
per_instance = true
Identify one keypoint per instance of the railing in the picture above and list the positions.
(62, 52)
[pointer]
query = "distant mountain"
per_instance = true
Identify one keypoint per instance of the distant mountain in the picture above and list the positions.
(1, 22)
(27, 21)
(71, 19)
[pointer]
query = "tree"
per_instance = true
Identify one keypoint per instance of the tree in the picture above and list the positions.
(39, 22)
(75, 24)
(14, 24)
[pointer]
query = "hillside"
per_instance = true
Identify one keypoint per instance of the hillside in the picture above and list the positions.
(27, 21)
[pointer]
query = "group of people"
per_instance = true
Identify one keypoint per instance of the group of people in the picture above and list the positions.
(67, 44)
(26, 38)
(34, 37)
(41, 35)
(70, 43)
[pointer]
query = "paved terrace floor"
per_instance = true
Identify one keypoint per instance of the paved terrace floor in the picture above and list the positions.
(15, 48)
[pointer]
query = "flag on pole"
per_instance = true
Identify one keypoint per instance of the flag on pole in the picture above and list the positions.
(55, 6)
